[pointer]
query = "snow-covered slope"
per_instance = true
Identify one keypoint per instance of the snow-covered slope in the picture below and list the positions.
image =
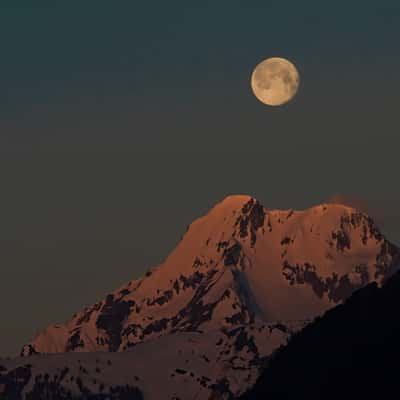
(238, 263)
(183, 365)
(241, 268)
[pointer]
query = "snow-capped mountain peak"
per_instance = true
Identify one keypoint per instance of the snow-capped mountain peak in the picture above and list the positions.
(238, 262)
(240, 281)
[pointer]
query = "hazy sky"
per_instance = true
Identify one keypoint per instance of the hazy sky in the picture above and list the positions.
(121, 122)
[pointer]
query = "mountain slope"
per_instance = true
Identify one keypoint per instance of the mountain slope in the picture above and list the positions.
(240, 282)
(238, 263)
(180, 365)
(352, 352)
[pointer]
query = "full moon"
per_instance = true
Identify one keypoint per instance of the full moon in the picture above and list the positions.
(275, 81)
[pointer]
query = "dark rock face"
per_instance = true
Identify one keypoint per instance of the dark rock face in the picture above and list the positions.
(52, 387)
(342, 239)
(340, 289)
(351, 352)
(222, 245)
(88, 313)
(221, 390)
(388, 260)
(337, 288)
(133, 329)
(191, 316)
(243, 339)
(370, 230)
(354, 221)
(188, 319)
(14, 382)
(165, 298)
(286, 241)
(74, 342)
(156, 326)
(251, 219)
(198, 262)
(180, 371)
(191, 281)
(196, 312)
(28, 350)
(232, 254)
(304, 274)
(112, 315)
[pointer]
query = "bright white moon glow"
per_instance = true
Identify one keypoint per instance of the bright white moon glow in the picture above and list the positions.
(275, 81)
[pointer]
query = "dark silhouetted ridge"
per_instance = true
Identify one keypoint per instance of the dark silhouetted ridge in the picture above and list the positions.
(352, 352)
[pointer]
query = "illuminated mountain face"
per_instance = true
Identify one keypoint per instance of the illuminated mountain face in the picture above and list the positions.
(241, 280)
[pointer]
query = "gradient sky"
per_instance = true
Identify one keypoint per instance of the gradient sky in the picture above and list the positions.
(121, 122)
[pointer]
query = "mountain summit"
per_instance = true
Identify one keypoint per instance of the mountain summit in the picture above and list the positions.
(240, 281)
(238, 263)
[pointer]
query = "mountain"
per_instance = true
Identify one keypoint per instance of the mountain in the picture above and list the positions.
(238, 263)
(352, 352)
(240, 282)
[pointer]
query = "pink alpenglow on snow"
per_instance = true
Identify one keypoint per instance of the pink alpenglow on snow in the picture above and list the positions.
(242, 279)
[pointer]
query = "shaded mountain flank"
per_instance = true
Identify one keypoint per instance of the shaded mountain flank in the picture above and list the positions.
(351, 352)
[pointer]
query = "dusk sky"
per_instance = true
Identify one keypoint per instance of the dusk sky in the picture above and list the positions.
(122, 122)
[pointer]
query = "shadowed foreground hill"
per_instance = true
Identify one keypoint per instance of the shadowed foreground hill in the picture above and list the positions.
(352, 352)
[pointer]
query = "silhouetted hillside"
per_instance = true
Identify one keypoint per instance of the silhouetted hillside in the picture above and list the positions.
(352, 352)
